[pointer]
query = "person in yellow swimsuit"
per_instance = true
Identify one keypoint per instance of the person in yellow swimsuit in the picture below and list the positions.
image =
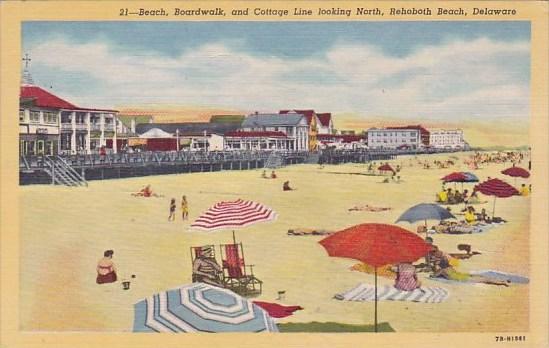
(470, 216)
(524, 191)
(184, 208)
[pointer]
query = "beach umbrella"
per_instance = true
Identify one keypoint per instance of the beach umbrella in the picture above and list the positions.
(496, 188)
(200, 307)
(470, 177)
(376, 245)
(424, 212)
(454, 177)
(233, 214)
(386, 168)
(516, 172)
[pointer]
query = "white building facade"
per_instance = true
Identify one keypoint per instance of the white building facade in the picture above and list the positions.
(294, 126)
(393, 138)
(447, 139)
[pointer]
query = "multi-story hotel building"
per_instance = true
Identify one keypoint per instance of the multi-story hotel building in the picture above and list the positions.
(394, 138)
(447, 139)
(49, 125)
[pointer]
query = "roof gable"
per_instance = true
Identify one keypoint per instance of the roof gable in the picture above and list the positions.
(325, 119)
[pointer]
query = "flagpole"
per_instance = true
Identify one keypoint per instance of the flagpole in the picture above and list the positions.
(375, 299)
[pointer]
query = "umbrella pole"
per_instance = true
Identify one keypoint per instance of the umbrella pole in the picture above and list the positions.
(494, 208)
(375, 299)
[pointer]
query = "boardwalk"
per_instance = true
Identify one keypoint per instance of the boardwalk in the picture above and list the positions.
(37, 169)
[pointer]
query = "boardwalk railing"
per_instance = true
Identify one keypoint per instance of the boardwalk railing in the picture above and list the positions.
(158, 158)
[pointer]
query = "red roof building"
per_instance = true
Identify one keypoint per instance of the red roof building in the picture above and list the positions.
(44, 99)
(325, 124)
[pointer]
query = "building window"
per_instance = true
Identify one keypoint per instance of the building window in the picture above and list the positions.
(50, 117)
(35, 116)
(21, 115)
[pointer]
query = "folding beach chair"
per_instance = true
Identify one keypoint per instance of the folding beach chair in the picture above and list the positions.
(235, 276)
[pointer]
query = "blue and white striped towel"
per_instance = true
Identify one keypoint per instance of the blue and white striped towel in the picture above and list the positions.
(365, 292)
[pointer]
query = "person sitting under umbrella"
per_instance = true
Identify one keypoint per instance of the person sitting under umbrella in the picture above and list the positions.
(206, 269)
(524, 191)
(406, 277)
(442, 196)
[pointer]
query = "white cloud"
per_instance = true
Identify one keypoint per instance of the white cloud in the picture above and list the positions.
(480, 78)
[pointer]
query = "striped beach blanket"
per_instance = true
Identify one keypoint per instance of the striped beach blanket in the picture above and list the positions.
(365, 292)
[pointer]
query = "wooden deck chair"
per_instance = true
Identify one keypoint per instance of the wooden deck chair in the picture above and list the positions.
(235, 276)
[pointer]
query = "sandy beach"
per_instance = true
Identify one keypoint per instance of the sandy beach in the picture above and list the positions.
(64, 232)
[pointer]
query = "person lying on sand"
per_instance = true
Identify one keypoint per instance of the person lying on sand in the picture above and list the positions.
(447, 271)
(146, 192)
(309, 232)
(368, 208)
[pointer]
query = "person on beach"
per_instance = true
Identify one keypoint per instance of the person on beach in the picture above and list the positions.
(442, 196)
(206, 269)
(184, 208)
(171, 217)
(264, 174)
(447, 271)
(474, 199)
(406, 277)
(524, 191)
(470, 216)
(145, 192)
(273, 175)
(286, 186)
(106, 271)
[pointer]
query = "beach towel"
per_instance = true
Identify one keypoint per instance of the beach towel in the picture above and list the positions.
(496, 275)
(464, 229)
(503, 276)
(365, 292)
(277, 311)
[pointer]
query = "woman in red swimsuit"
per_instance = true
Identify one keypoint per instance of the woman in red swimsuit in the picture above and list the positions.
(106, 271)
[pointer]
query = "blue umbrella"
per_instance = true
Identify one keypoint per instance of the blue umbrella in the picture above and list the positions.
(424, 212)
(470, 177)
(200, 307)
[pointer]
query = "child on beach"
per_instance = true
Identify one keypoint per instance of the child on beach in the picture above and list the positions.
(184, 208)
(172, 210)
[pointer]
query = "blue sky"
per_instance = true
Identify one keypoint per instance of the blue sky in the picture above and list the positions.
(400, 69)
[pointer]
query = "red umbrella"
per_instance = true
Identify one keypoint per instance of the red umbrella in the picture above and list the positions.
(376, 245)
(386, 168)
(516, 172)
(496, 188)
(454, 177)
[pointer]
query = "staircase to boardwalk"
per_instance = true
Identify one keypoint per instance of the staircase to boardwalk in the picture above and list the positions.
(62, 173)
(274, 161)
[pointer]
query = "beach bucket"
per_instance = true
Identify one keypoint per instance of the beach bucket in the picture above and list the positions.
(126, 285)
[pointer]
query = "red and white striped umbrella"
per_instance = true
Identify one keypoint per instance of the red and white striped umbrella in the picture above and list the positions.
(233, 214)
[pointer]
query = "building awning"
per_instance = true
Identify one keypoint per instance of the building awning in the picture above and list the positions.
(137, 141)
